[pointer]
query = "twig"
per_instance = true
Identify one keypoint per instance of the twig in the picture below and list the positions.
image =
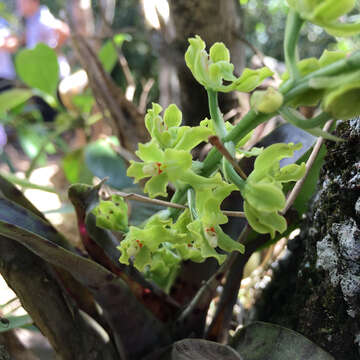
(145, 93)
(257, 52)
(145, 199)
(310, 162)
(215, 141)
(231, 113)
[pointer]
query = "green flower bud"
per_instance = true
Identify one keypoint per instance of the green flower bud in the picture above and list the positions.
(266, 101)
(211, 70)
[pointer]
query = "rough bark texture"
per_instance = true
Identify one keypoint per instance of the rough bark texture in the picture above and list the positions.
(216, 20)
(316, 288)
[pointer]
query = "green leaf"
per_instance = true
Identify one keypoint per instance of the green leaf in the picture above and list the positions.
(75, 169)
(103, 162)
(15, 322)
(259, 341)
(108, 55)
(12, 98)
(38, 68)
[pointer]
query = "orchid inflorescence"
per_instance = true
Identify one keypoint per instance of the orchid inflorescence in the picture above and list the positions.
(168, 238)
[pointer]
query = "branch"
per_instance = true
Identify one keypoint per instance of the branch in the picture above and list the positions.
(145, 199)
(215, 141)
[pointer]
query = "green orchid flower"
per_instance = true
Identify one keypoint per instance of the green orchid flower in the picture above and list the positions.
(208, 201)
(307, 66)
(343, 102)
(169, 134)
(202, 240)
(142, 244)
(264, 222)
(161, 166)
(326, 13)
(211, 70)
(263, 193)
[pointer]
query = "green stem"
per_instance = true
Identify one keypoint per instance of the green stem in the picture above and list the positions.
(216, 114)
(191, 204)
(292, 31)
(296, 119)
(249, 122)
(50, 138)
(232, 175)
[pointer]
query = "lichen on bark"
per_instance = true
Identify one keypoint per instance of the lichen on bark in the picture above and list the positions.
(316, 289)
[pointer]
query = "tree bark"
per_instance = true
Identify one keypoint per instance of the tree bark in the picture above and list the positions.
(216, 20)
(316, 288)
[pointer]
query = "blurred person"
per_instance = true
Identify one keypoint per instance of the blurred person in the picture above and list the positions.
(42, 27)
(8, 45)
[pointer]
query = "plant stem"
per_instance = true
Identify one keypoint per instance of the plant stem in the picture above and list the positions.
(215, 113)
(216, 142)
(298, 120)
(145, 199)
(292, 31)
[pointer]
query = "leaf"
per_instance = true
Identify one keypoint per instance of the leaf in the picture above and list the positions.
(108, 55)
(12, 98)
(15, 322)
(12, 193)
(259, 341)
(16, 215)
(39, 68)
(103, 162)
(135, 329)
(75, 169)
(191, 349)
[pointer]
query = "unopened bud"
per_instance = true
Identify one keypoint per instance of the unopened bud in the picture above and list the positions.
(266, 101)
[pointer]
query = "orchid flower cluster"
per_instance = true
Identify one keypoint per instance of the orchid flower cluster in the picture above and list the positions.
(195, 233)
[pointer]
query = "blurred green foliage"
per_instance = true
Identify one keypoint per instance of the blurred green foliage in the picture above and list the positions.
(265, 25)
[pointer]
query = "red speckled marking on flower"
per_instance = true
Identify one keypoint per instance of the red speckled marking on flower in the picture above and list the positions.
(158, 166)
(139, 243)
